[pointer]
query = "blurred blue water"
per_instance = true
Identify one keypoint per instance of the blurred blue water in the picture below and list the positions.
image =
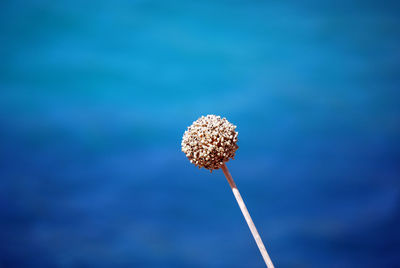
(95, 97)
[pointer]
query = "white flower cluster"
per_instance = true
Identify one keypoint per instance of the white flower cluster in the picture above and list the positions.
(210, 141)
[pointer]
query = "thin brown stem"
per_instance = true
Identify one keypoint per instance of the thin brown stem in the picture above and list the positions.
(247, 216)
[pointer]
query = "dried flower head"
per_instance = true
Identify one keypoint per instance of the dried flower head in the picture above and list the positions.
(210, 141)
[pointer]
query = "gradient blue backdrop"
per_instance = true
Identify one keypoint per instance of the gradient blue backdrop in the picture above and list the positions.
(95, 97)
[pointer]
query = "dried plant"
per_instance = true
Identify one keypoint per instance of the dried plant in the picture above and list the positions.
(210, 142)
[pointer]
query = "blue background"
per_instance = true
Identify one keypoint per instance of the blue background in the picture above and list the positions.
(95, 97)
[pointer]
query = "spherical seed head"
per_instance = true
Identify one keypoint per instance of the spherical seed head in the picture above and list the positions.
(210, 141)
